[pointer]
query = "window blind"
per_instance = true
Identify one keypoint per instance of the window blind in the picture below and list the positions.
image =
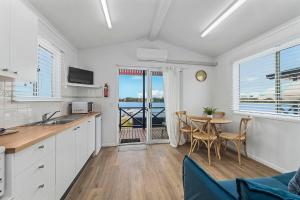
(45, 72)
(47, 86)
(289, 81)
(269, 84)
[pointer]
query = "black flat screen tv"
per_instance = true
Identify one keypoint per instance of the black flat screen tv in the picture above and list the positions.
(80, 76)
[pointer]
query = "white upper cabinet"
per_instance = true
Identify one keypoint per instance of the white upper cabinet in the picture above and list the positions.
(4, 33)
(23, 48)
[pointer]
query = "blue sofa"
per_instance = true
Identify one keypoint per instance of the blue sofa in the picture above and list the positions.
(198, 185)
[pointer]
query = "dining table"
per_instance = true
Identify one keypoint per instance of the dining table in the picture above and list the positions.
(214, 122)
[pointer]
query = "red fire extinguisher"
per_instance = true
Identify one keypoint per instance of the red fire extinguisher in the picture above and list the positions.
(106, 91)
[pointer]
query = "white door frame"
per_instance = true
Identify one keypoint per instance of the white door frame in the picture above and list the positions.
(149, 71)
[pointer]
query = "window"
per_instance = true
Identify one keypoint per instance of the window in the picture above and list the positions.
(269, 84)
(47, 85)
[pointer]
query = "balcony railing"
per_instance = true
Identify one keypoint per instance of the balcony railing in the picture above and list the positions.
(135, 117)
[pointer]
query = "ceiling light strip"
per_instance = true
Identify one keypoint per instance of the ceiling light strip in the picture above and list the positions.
(106, 13)
(223, 16)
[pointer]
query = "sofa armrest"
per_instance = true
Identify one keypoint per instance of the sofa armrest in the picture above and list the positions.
(199, 185)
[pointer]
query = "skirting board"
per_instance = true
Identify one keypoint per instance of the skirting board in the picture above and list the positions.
(262, 161)
(271, 165)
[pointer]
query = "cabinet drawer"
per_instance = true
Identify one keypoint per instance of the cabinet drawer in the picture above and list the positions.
(32, 154)
(36, 181)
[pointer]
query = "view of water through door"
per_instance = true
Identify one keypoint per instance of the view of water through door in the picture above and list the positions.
(141, 116)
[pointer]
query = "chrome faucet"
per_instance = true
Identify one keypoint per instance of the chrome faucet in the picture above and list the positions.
(45, 117)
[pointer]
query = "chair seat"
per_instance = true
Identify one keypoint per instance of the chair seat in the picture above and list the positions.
(186, 129)
(204, 136)
(231, 136)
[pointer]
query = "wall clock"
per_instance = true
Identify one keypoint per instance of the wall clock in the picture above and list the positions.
(201, 75)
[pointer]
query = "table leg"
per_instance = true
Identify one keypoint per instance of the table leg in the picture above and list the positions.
(214, 128)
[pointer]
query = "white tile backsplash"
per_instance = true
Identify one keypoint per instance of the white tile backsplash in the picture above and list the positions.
(19, 113)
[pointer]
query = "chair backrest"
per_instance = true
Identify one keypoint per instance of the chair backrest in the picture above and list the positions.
(201, 124)
(244, 124)
(182, 118)
(219, 115)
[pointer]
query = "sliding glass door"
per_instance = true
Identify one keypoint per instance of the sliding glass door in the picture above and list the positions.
(141, 107)
(156, 120)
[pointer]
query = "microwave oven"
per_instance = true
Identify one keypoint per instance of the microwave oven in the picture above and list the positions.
(82, 107)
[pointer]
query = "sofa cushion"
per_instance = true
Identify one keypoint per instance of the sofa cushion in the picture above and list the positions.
(251, 190)
(269, 181)
(294, 184)
(285, 178)
(199, 185)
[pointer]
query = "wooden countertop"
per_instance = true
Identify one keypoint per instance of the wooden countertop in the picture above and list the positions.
(29, 135)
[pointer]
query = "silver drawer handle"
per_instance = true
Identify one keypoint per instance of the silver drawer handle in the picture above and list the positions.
(41, 186)
(41, 146)
(41, 166)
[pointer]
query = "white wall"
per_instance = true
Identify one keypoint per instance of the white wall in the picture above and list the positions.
(197, 95)
(270, 141)
(104, 61)
(18, 113)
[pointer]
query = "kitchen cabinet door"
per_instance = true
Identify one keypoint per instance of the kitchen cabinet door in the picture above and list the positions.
(81, 145)
(4, 33)
(91, 136)
(23, 45)
(65, 161)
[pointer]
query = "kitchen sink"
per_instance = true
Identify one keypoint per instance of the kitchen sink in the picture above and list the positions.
(57, 121)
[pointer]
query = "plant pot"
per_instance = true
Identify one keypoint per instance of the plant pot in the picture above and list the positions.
(210, 116)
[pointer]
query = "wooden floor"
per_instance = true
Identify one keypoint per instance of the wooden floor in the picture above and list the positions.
(155, 173)
(131, 133)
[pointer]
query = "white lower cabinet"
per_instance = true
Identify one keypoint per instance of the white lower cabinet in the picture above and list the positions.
(65, 161)
(91, 136)
(38, 180)
(81, 145)
(45, 170)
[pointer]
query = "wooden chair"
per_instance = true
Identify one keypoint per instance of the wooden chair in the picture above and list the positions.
(201, 132)
(238, 139)
(183, 126)
(219, 115)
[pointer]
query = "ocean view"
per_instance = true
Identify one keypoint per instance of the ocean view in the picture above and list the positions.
(140, 104)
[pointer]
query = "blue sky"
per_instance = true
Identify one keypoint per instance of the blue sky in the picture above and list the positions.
(132, 86)
(253, 79)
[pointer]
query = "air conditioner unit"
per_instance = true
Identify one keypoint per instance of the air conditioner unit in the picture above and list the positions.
(152, 54)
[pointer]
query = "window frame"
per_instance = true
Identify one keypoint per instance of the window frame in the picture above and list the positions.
(236, 83)
(55, 81)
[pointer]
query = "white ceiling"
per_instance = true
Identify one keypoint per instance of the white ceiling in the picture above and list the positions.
(83, 23)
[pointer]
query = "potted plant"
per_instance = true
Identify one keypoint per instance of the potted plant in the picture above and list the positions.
(209, 111)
